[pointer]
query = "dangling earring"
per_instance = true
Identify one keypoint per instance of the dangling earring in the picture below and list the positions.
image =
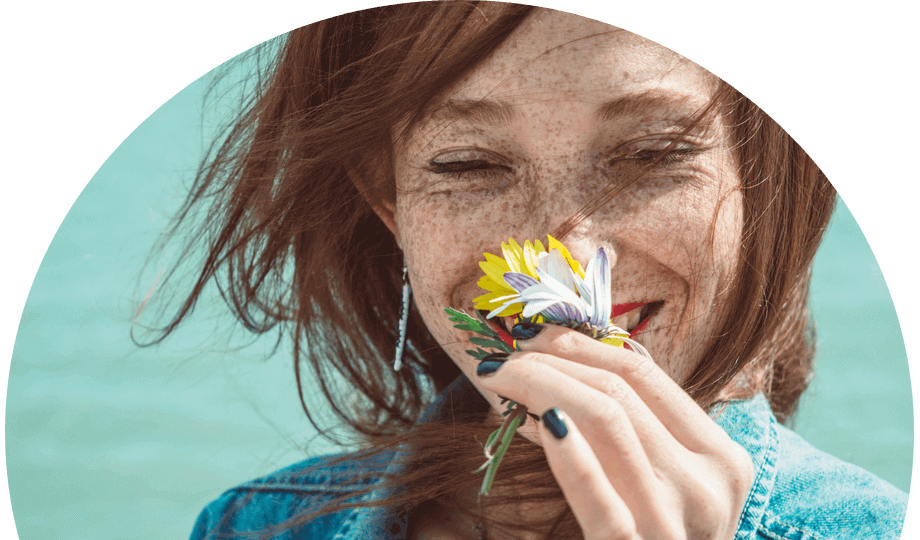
(403, 320)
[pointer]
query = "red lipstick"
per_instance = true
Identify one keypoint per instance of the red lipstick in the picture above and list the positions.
(623, 308)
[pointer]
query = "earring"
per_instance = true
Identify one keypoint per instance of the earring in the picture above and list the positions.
(403, 320)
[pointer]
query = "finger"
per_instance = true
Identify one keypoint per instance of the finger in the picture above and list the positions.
(599, 510)
(676, 410)
(604, 423)
(660, 446)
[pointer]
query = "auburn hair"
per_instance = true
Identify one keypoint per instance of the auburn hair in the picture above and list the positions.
(280, 210)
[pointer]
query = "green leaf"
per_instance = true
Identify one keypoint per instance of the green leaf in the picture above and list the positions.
(459, 316)
(491, 340)
(464, 322)
(493, 343)
(468, 327)
(485, 324)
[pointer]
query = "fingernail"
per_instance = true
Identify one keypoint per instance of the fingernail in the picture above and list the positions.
(488, 367)
(554, 423)
(526, 330)
(495, 357)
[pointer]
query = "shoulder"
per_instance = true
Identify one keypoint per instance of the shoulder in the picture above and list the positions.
(816, 495)
(273, 503)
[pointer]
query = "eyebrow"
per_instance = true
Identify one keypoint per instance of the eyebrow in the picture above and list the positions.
(678, 108)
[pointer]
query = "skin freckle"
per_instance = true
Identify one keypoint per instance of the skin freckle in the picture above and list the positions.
(522, 175)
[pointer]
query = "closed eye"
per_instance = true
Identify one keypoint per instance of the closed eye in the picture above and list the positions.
(660, 156)
(663, 157)
(455, 167)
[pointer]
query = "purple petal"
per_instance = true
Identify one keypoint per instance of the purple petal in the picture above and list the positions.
(557, 312)
(534, 308)
(601, 280)
(519, 281)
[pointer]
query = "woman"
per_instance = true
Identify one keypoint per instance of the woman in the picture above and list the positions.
(425, 135)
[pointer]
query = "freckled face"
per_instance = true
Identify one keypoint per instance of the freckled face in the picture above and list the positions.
(565, 108)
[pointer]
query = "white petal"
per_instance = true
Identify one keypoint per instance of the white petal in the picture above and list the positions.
(534, 308)
(548, 282)
(504, 298)
(498, 310)
(518, 281)
(568, 294)
(605, 280)
(601, 279)
(559, 268)
(561, 312)
(537, 289)
(586, 291)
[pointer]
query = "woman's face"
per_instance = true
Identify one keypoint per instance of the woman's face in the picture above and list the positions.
(566, 107)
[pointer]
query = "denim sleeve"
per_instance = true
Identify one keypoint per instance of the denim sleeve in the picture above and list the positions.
(819, 496)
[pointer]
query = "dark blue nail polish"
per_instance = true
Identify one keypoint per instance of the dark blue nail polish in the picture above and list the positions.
(526, 330)
(495, 357)
(488, 367)
(554, 423)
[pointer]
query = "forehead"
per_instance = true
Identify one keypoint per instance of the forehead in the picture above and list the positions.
(560, 56)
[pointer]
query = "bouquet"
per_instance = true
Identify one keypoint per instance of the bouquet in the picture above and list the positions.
(536, 284)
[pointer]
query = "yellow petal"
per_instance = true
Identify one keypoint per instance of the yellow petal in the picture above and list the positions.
(487, 284)
(494, 267)
(514, 255)
(489, 298)
(613, 341)
(513, 309)
(487, 302)
(530, 259)
(575, 265)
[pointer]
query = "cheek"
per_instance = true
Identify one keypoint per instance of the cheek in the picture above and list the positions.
(442, 249)
(727, 234)
(675, 230)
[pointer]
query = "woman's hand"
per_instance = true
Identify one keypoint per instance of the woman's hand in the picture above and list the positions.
(637, 457)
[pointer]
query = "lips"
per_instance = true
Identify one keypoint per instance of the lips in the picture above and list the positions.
(624, 308)
(636, 316)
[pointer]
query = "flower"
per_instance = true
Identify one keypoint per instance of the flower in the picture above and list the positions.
(519, 260)
(535, 282)
(542, 285)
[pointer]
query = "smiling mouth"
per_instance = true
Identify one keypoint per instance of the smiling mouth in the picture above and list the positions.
(633, 318)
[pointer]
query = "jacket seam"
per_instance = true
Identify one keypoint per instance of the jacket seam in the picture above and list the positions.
(772, 518)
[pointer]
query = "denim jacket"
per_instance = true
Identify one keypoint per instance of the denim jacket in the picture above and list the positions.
(799, 492)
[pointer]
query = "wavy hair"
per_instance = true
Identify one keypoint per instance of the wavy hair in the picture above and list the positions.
(291, 241)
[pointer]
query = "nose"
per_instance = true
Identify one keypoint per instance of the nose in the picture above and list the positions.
(584, 239)
(564, 211)
(583, 247)
(581, 235)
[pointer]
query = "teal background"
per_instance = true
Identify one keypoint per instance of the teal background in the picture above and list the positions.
(106, 440)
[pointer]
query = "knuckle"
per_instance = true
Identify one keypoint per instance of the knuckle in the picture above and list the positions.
(712, 506)
(635, 366)
(567, 344)
(739, 465)
(613, 385)
(607, 419)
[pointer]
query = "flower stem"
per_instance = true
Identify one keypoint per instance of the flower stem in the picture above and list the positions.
(502, 437)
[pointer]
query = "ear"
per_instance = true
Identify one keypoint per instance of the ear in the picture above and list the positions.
(385, 210)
